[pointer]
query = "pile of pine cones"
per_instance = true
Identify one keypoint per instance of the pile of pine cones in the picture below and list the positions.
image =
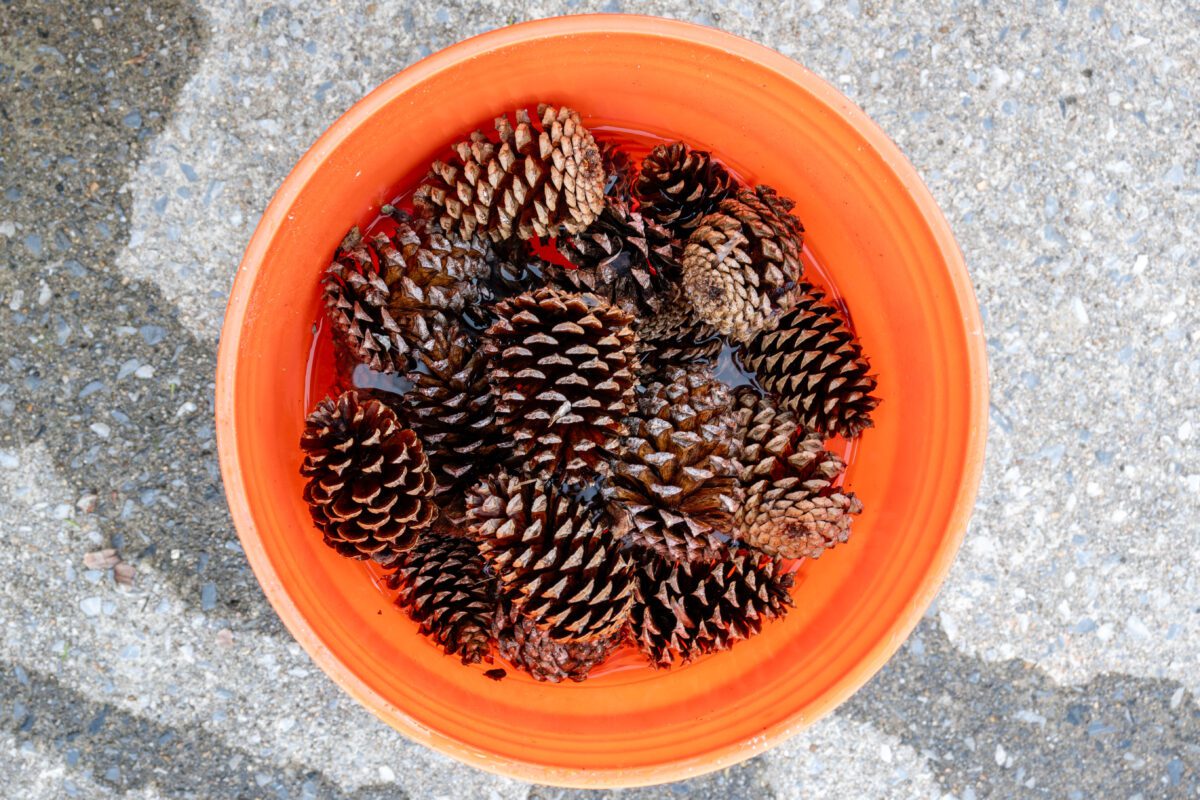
(567, 474)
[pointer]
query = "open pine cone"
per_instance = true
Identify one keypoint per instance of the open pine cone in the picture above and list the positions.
(675, 336)
(563, 373)
(385, 295)
(556, 556)
(444, 586)
(790, 507)
(450, 407)
(678, 185)
(742, 262)
(369, 483)
(816, 366)
(542, 178)
(675, 482)
(622, 257)
(526, 646)
(683, 610)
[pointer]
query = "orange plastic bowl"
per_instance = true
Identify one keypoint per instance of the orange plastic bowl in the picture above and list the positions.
(886, 246)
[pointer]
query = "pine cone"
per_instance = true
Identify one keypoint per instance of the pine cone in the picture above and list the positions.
(686, 609)
(676, 482)
(618, 169)
(815, 365)
(563, 375)
(622, 257)
(526, 646)
(542, 178)
(356, 301)
(674, 336)
(385, 295)
(450, 407)
(742, 263)
(555, 555)
(368, 480)
(790, 507)
(444, 586)
(677, 186)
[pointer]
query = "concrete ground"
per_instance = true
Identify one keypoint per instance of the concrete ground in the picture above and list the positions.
(139, 143)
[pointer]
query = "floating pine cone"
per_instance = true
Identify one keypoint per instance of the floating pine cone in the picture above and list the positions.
(386, 295)
(742, 263)
(555, 555)
(541, 179)
(675, 481)
(526, 646)
(816, 367)
(563, 375)
(683, 610)
(678, 185)
(675, 336)
(450, 408)
(790, 507)
(622, 257)
(445, 588)
(369, 483)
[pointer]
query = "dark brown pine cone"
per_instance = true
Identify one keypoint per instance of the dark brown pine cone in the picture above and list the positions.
(675, 336)
(556, 556)
(622, 257)
(619, 170)
(816, 367)
(450, 407)
(385, 295)
(790, 507)
(444, 586)
(369, 483)
(543, 178)
(676, 481)
(742, 262)
(683, 610)
(677, 186)
(563, 373)
(526, 646)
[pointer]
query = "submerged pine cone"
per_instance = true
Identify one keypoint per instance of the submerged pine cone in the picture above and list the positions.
(675, 336)
(450, 408)
(385, 295)
(742, 263)
(542, 178)
(526, 646)
(369, 483)
(684, 610)
(555, 555)
(622, 257)
(790, 507)
(678, 185)
(676, 481)
(619, 171)
(815, 365)
(563, 374)
(444, 586)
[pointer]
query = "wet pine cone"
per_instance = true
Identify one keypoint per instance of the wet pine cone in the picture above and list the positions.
(815, 364)
(742, 262)
(369, 483)
(526, 646)
(544, 177)
(675, 483)
(564, 369)
(444, 586)
(790, 507)
(683, 610)
(678, 185)
(555, 554)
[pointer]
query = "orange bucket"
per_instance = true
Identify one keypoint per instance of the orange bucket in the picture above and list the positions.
(885, 245)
